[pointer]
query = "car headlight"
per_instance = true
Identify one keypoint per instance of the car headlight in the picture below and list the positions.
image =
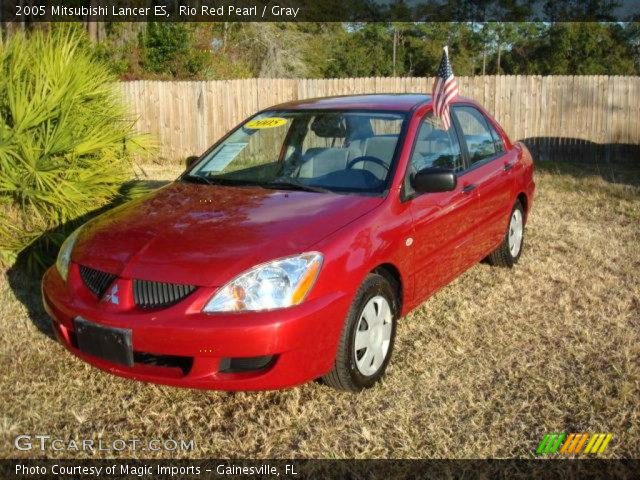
(64, 255)
(277, 284)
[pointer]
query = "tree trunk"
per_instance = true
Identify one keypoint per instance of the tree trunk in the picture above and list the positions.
(92, 31)
(484, 60)
(499, 51)
(395, 42)
(22, 18)
(92, 25)
(225, 29)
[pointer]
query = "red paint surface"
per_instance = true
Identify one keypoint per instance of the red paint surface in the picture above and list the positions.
(206, 235)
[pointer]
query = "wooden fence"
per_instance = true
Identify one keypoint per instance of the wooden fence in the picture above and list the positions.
(581, 118)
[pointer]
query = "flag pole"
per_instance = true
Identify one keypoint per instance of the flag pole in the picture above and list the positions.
(444, 90)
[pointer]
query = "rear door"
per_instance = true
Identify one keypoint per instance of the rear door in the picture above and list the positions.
(487, 175)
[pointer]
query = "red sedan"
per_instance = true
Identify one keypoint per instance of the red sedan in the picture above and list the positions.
(290, 249)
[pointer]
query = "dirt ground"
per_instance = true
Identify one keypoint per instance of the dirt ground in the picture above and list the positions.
(484, 368)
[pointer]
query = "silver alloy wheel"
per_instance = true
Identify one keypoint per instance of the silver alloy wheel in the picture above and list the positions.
(373, 335)
(515, 233)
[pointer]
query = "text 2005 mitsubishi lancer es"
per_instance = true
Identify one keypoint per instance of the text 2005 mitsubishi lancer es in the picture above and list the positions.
(290, 249)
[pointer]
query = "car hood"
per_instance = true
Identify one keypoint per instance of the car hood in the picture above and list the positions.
(205, 235)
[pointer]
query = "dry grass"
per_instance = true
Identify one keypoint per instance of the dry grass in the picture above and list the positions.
(482, 369)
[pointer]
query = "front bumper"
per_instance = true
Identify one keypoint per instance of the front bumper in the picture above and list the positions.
(182, 346)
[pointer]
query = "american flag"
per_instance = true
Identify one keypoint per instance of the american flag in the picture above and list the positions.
(445, 88)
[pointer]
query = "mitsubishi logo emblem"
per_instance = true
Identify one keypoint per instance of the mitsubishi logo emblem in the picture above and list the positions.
(112, 296)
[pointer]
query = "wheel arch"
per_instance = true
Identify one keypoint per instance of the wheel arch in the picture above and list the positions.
(394, 277)
(524, 201)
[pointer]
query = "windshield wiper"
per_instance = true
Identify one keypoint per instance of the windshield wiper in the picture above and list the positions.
(217, 180)
(293, 184)
(285, 183)
(197, 179)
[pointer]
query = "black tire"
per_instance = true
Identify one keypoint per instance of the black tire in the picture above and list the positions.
(345, 374)
(502, 256)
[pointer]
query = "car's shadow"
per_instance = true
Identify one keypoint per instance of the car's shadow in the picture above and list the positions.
(25, 275)
(617, 163)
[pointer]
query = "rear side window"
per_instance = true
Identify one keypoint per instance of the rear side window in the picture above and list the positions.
(497, 139)
(476, 133)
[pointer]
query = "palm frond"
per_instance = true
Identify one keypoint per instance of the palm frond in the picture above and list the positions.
(66, 139)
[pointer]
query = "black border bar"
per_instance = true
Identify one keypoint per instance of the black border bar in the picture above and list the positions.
(34, 11)
(318, 469)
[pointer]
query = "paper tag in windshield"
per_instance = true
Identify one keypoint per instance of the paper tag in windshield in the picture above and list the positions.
(265, 123)
(223, 157)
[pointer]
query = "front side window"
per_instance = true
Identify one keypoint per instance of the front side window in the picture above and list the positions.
(339, 151)
(476, 134)
(435, 146)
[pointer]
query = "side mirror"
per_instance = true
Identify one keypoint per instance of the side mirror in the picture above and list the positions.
(189, 161)
(432, 180)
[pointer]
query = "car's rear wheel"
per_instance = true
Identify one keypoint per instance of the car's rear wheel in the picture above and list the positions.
(509, 251)
(367, 338)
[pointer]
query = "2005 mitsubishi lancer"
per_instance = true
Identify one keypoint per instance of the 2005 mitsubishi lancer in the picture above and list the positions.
(290, 249)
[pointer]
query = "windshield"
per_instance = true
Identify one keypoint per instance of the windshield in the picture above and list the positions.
(337, 151)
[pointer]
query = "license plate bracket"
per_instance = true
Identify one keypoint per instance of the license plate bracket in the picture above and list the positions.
(107, 343)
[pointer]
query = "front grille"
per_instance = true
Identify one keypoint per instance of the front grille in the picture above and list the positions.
(96, 280)
(147, 294)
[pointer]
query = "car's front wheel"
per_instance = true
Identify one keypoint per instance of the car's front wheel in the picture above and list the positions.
(367, 338)
(509, 251)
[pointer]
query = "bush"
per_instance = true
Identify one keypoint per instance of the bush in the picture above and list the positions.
(66, 141)
(168, 49)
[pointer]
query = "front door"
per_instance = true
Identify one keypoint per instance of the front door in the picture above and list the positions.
(442, 221)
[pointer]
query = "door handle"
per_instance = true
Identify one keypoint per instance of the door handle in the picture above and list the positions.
(468, 188)
(508, 166)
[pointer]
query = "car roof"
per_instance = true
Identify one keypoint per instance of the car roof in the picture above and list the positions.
(397, 102)
(387, 101)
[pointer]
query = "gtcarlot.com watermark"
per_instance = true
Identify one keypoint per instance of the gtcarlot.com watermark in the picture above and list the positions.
(48, 443)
